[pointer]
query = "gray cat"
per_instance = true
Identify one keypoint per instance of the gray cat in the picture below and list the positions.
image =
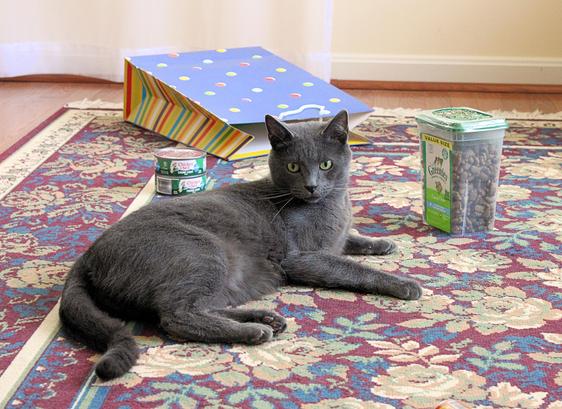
(185, 263)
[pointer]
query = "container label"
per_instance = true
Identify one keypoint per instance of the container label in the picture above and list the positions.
(164, 186)
(179, 185)
(183, 166)
(437, 162)
(191, 185)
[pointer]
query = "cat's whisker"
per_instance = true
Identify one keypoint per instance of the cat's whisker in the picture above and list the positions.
(273, 197)
(282, 207)
(278, 201)
(279, 190)
(276, 193)
(273, 191)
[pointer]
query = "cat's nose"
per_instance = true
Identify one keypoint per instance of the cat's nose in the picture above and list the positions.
(310, 188)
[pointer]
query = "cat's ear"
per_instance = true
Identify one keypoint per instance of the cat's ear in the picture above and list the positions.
(338, 129)
(279, 136)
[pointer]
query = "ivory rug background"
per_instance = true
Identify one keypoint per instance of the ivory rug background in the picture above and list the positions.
(486, 331)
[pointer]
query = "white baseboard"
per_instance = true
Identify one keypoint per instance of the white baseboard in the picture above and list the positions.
(500, 70)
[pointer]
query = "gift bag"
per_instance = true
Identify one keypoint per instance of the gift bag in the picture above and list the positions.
(216, 100)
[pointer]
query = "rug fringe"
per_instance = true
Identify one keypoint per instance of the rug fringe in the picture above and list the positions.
(94, 104)
(408, 112)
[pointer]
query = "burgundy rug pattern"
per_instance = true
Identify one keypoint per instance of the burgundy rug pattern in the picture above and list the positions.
(486, 332)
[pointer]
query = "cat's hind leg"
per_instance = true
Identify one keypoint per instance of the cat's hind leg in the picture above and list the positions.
(275, 321)
(195, 287)
(210, 327)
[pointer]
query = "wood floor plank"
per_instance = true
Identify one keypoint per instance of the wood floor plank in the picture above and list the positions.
(25, 105)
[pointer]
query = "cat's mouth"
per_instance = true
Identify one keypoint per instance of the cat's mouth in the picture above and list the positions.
(308, 197)
(312, 199)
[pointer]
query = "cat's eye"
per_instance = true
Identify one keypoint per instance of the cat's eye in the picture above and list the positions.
(326, 165)
(293, 167)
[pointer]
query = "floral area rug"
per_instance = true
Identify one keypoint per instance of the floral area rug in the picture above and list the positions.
(486, 332)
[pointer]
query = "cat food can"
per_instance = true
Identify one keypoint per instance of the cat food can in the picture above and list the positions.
(176, 185)
(461, 150)
(180, 162)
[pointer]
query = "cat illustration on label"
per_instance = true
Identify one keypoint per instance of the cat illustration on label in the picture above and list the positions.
(436, 169)
(190, 184)
(184, 166)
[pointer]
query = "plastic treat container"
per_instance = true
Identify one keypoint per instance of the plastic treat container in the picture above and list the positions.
(460, 161)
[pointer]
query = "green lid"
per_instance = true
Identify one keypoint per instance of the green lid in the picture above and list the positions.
(461, 119)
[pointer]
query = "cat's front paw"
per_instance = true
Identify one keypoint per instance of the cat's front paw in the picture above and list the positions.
(382, 247)
(408, 290)
(276, 322)
(258, 334)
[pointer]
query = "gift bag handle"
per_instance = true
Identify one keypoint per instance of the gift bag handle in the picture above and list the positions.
(321, 110)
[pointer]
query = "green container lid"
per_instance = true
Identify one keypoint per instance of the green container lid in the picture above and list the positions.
(462, 119)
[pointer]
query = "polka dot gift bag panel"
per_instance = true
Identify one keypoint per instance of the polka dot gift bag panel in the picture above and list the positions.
(216, 100)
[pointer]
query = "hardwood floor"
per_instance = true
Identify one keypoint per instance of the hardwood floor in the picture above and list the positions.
(24, 105)
(546, 103)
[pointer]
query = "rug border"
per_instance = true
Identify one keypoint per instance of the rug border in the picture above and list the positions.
(35, 150)
(43, 335)
(18, 369)
(515, 115)
(85, 104)
(28, 136)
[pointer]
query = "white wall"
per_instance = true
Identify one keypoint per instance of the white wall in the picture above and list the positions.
(91, 37)
(503, 41)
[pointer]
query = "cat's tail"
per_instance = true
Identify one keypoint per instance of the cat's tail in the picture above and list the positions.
(84, 321)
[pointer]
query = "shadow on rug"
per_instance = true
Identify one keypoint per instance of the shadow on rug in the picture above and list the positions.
(486, 331)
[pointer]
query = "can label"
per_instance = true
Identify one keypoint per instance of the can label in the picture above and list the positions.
(187, 167)
(437, 184)
(180, 186)
(180, 162)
